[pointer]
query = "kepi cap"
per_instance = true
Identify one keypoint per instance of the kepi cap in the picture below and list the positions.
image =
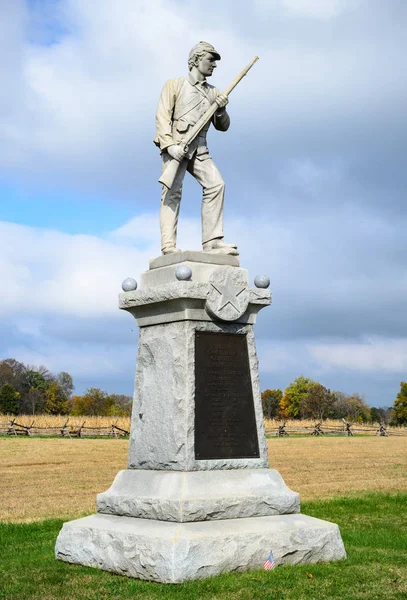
(204, 47)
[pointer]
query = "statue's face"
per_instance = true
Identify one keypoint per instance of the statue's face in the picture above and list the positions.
(207, 64)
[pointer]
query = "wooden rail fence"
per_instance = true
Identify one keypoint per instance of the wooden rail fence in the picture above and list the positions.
(348, 429)
(73, 430)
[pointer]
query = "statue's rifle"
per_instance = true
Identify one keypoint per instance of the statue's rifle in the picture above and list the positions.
(171, 168)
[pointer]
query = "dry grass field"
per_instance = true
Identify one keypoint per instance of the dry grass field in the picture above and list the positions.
(52, 477)
(326, 467)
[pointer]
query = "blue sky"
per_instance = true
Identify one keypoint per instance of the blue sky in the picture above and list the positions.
(313, 164)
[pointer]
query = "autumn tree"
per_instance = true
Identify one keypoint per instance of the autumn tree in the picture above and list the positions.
(56, 401)
(58, 393)
(6, 373)
(352, 407)
(13, 372)
(33, 402)
(359, 410)
(66, 384)
(122, 405)
(400, 405)
(381, 414)
(294, 395)
(317, 403)
(374, 415)
(78, 406)
(270, 400)
(89, 404)
(36, 379)
(9, 400)
(34, 387)
(386, 414)
(39, 389)
(94, 402)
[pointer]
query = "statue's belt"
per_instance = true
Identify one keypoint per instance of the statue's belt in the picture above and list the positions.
(182, 126)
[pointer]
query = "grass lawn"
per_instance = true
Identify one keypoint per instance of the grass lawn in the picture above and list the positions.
(373, 527)
(359, 483)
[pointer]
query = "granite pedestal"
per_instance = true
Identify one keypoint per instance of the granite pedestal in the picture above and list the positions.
(198, 498)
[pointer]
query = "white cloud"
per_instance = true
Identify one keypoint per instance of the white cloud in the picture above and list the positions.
(88, 98)
(318, 9)
(49, 272)
(60, 294)
(323, 10)
(373, 355)
(81, 109)
(28, 326)
(340, 262)
(146, 228)
(281, 356)
(310, 176)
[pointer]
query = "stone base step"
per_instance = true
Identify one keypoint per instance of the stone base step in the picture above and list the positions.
(176, 552)
(198, 495)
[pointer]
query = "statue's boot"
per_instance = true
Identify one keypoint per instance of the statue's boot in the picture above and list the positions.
(171, 250)
(218, 246)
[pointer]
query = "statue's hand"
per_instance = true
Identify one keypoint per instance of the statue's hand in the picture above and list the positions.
(222, 100)
(176, 151)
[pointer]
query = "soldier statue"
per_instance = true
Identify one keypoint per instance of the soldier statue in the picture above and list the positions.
(182, 103)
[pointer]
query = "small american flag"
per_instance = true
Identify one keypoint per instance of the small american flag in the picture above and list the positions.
(269, 564)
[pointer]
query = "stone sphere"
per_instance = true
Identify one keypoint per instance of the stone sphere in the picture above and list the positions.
(129, 285)
(262, 281)
(183, 273)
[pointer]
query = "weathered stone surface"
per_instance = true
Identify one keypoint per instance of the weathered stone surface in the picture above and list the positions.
(164, 299)
(200, 273)
(172, 517)
(228, 296)
(194, 256)
(168, 552)
(199, 495)
(162, 431)
(163, 293)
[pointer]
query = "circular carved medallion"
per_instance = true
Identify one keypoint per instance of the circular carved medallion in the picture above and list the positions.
(228, 296)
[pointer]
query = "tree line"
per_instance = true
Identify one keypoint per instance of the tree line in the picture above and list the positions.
(25, 389)
(307, 399)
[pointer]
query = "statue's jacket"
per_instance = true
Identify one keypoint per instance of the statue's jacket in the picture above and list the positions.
(182, 102)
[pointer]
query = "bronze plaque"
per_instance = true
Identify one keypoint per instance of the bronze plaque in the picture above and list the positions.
(225, 424)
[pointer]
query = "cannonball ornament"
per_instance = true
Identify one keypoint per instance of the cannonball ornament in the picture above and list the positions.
(262, 281)
(183, 273)
(129, 285)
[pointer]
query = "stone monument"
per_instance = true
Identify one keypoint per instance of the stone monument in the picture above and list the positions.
(198, 497)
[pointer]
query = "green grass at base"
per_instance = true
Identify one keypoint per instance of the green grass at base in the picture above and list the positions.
(373, 528)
